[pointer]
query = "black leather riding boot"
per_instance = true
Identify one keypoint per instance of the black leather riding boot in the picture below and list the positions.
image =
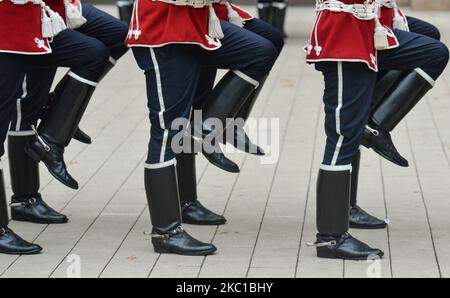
(333, 209)
(217, 158)
(80, 135)
(161, 186)
(27, 203)
(125, 10)
(192, 211)
(241, 140)
(410, 90)
(360, 219)
(385, 84)
(59, 126)
(10, 243)
(279, 15)
(225, 101)
(265, 12)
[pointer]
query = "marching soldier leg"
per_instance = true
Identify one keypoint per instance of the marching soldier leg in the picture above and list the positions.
(360, 219)
(11, 243)
(279, 15)
(265, 11)
(112, 34)
(12, 72)
(204, 88)
(192, 211)
(241, 139)
(421, 27)
(238, 137)
(27, 203)
(125, 8)
(422, 60)
(348, 89)
(71, 98)
(252, 58)
(168, 99)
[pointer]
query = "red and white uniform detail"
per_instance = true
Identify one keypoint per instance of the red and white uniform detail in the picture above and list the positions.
(28, 25)
(392, 16)
(59, 6)
(156, 23)
(223, 13)
(349, 30)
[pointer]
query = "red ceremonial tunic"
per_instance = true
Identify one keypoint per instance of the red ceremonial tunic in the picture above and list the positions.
(156, 24)
(59, 7)
(222, 12)
(21, 30)
(340, 36)
(387, 17)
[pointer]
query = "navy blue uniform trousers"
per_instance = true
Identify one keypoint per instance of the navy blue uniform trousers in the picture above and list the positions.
(86, 51)
(208, 74)
(173, 73)
(349, 89)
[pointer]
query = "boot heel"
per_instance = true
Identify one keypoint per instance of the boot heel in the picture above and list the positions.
(325, 253)
(161, 249)
(17, 216)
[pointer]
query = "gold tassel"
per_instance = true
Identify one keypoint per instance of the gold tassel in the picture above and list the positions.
(233, 16)
(74, 17)
(215, 29)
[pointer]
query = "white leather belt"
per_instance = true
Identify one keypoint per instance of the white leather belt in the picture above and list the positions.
(366, 12)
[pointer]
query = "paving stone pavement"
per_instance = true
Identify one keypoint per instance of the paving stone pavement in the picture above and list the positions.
(270, 207)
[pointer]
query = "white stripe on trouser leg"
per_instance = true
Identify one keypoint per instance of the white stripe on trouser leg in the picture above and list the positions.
(161, 105)
(338, 114)
(19, 104)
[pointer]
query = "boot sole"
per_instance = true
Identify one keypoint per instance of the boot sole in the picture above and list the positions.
(355, 227)
(13, 253)
(36, 221)
(328, 255)
(237, 171)
(388, 158)
(37, 158)
(205, 223)
(164, 250)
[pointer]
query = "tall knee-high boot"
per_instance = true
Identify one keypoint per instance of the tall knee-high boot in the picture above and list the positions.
(125, 8)
(57, 128)
(393, 109)
(27, 203)
(79, 135)
(240, 139)
(161, 186)
(360, 219)
(279, 15)
(265, 12)
(11, 243)
(225, 101)
(333, 209)
(192, 211)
